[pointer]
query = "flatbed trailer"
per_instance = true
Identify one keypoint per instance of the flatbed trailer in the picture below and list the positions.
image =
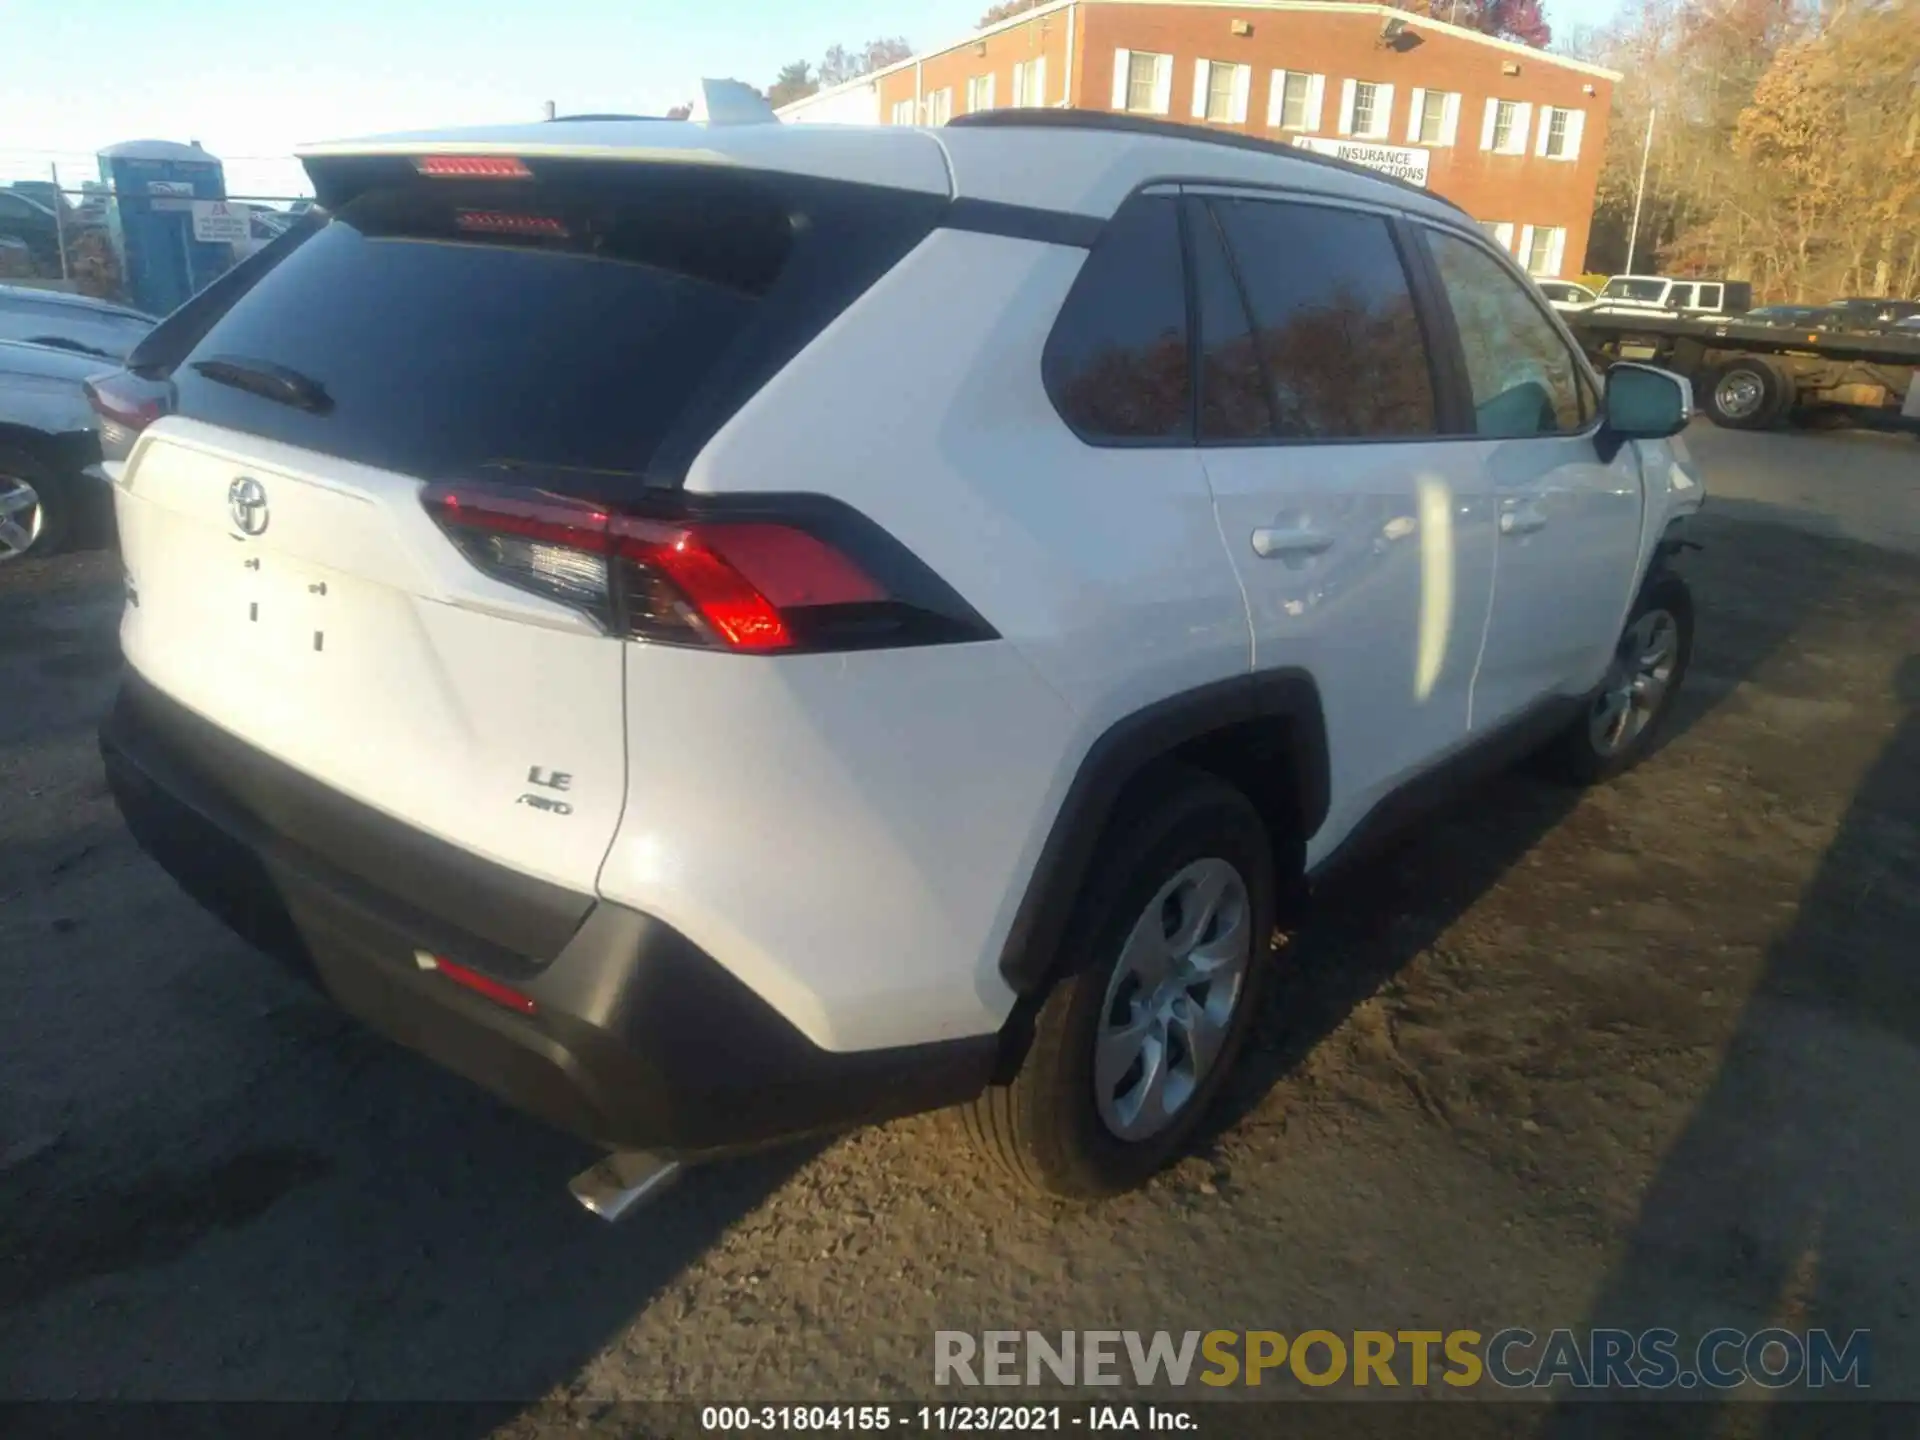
(1750, 376)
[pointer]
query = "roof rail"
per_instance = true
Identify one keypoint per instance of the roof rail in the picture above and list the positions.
(1031, 119)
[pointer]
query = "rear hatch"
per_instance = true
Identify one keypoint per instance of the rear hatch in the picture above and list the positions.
(567, 332)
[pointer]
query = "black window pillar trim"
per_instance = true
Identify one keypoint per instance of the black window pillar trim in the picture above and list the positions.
(1446, 352)
(1126, 750)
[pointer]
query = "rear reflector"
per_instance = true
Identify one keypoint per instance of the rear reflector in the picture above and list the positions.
(473, 167)
(765, 582)
(480, 984)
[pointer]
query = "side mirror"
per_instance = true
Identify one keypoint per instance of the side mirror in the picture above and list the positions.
(1645, 402)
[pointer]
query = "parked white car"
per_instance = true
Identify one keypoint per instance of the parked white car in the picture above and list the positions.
(719, 631)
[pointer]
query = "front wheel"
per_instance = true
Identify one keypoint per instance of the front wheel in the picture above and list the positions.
(1164, 965)
(1617, 727)
(33, 507)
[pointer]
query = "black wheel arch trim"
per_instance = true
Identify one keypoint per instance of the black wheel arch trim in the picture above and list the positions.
(1126, 750)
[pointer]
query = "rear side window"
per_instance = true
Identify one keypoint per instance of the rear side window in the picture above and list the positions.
(1334, 320)
(1116, 363)
(1525, 379)
(586, 330)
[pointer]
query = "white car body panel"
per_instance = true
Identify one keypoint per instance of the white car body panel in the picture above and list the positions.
(433, 691)
(1388, 618)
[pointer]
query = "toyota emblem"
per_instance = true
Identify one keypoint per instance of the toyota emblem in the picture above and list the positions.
(247, 504)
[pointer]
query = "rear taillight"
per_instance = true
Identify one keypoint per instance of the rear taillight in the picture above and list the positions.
(766, 575)
(125, 404)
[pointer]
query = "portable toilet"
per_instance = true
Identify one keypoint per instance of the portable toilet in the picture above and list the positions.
(155, 184)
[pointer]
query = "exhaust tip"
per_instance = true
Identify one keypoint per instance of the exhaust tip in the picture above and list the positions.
(622, 1181)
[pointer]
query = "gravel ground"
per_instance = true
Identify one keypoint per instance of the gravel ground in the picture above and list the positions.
(1649, 1055)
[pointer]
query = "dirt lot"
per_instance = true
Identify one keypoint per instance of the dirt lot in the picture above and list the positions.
(1646, 1056)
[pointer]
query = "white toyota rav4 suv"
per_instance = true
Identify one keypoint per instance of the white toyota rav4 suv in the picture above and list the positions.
(723, 631)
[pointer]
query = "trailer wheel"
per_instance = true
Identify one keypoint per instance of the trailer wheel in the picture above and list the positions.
(1746, 394)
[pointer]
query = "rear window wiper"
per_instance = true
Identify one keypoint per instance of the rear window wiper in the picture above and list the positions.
(267, 380)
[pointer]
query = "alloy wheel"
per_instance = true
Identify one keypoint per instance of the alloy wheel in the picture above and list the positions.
(1171, 1001)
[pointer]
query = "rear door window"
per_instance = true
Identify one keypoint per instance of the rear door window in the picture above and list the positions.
(1335, 329)
(577, 330)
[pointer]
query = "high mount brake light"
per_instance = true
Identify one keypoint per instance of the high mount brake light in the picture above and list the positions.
(472, 167)
(502, 222)
(764, 583)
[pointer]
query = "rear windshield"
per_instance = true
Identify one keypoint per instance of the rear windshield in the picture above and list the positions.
(600, 321)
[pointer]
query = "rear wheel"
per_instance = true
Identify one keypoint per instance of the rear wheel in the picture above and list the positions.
(33, 507)
(1746, 395)
(1163, 970)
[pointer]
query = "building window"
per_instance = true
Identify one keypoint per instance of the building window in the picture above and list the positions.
(1504, 130)
(1434, 119)
(1500, 232)
(1541, 249)
(1030, 83)
(903, 112)
(1366, 101)
(1366, 109)
(980, 94)
(1142, 82)
(1560, 133)
(1295, 102)
(939, 107)
(1220, 92)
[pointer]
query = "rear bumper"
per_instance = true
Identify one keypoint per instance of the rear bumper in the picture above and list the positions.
(637, 1039)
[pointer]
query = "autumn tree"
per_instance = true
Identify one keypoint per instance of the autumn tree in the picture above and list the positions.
(794, 82)
(1517, 20)
(1006, 10)
(840, 64)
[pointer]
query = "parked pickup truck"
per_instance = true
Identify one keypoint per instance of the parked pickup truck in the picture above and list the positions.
(1750, 374)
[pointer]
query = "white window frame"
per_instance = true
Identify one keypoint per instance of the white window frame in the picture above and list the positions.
(1237, 91)
(1500, 232)
(1382, 109)
(939, 105)
(1449, 118)
(1576, 125)
(1312, 106)
(1556, 253)
(1516, 137)
(979, 93)
(1162, 81)
(1030, 83)
(903, 112)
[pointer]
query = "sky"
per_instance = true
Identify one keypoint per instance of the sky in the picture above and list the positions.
(251, 79)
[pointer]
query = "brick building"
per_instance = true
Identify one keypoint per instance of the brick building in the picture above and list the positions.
(1511, 134)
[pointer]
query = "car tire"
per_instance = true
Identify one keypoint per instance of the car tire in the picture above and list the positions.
(1616, 728)
(1746, 394)
(35, 506)
(1187, 867)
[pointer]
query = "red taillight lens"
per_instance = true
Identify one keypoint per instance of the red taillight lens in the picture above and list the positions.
(472, 167)
(125, 404)
(484, 985)
(754, 584)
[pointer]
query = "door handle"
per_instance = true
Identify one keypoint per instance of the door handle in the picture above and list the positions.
(1523, 521)
(1291, 545)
